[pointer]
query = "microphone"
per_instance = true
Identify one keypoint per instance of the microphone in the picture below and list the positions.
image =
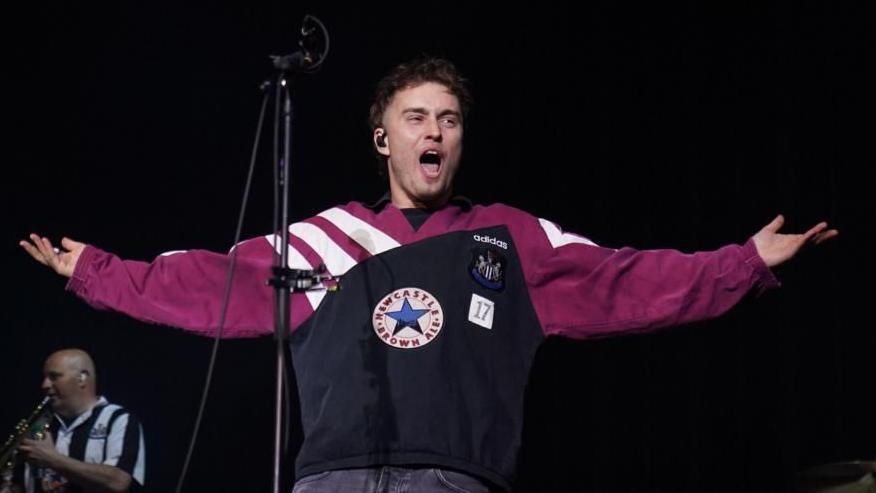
(314, 44)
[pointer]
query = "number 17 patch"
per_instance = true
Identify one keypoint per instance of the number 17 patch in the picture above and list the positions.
(481, 311)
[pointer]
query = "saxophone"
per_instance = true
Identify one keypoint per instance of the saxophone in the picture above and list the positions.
(34, 426)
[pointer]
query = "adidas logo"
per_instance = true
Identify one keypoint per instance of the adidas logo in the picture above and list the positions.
(491, 240)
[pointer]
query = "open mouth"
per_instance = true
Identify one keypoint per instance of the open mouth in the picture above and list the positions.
(430, 161)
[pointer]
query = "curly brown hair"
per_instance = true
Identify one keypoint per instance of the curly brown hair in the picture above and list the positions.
(414, 73)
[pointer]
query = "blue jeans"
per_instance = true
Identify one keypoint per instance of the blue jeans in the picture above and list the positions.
(390, 480)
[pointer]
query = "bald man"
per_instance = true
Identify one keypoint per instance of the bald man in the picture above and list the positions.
(92, 445)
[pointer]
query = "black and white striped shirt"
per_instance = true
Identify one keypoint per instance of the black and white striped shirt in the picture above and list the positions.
(106, 434)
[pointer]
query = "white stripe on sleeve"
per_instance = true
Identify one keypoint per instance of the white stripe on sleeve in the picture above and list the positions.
(370, 238)
(336, 260)
(558, 238)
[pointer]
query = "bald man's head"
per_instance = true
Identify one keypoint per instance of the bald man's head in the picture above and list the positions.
(69, 379)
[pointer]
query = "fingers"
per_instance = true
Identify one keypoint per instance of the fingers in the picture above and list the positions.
(62, 261)
(814, 230)
(44, 245)
(776, 224)
(33, 252)
(41, 249)
(47, 250)
(824, 235)
(819, 234)
(70, 244)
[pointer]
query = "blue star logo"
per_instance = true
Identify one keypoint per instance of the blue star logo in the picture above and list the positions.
(407, 317)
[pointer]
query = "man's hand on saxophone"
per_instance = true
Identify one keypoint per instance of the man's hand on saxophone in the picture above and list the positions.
(41, 453)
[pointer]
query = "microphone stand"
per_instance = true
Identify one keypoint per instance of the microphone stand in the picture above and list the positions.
(286, 280)
(281, 280)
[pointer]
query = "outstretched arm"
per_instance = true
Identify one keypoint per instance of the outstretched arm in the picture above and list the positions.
(62, 262)
(180, 289)
(776, 248)
(581, 290)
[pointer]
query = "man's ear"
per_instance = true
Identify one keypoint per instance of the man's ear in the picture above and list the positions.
(381, 141)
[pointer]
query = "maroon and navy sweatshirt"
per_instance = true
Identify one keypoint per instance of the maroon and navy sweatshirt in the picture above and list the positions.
(422, 356)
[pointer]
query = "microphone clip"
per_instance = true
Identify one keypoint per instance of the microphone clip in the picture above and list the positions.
(301, 280)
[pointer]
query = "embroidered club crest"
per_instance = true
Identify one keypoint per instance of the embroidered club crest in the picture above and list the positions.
(98, 432)
(408, 318)
(488, 268)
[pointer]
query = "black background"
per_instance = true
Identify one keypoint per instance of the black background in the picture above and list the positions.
(651, 125)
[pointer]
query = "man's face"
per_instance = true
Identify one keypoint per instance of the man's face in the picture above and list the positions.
(423, 127)
(62, 383)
